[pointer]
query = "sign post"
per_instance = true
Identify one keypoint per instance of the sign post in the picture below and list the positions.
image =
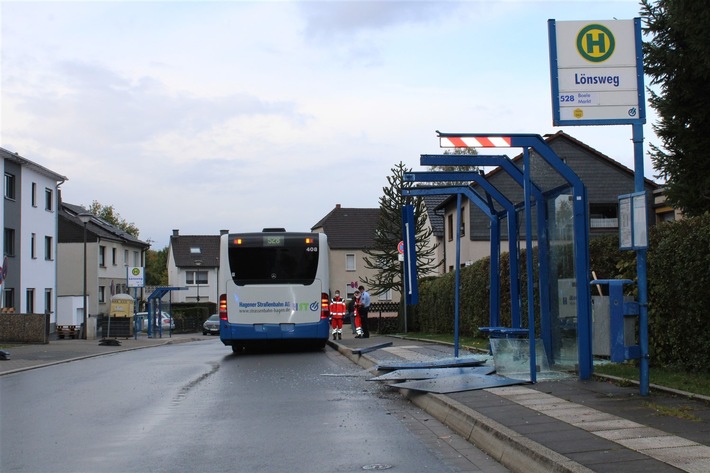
(596, 70)
(135, 278)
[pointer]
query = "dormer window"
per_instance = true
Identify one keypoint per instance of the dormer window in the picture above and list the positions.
(195, 250)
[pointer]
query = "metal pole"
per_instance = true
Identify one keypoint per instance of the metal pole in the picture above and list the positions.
(404, 282)
(637, 132)
(86, 327)
(457, 275)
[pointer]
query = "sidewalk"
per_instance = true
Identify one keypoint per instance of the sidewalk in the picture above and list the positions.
(26, 357)
(552, 426)
(565, 425)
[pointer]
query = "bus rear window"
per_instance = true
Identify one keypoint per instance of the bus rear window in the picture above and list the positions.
(290, 261)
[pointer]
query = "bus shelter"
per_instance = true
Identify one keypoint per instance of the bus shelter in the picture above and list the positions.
(154, 304)
(549, 202)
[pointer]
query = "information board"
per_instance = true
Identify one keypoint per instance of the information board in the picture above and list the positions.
(596, 70)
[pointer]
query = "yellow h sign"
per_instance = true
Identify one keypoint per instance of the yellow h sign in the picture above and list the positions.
(595, 43)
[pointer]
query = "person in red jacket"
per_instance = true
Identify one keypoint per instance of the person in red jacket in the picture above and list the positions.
(337, 312)
(354, 309)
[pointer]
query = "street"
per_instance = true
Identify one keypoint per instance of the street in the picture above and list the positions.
(198, 407)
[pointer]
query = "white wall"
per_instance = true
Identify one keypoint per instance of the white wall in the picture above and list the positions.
(70, 310)
(38, 273)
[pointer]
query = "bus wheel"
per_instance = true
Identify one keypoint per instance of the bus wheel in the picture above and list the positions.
(237, 348)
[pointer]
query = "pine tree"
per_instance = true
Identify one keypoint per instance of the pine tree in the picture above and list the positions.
(383, 257)
(677, 58)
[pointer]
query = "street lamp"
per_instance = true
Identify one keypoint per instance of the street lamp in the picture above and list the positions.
(85, 217)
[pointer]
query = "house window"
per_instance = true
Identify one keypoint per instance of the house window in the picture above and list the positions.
(30, 303)
(9, 297)
(48, 301)
(385, 296)
(349, 262)
(136, 259)
(33, 246)
(34, 194)
(195, 250)
(9, 242)
(48, 201)
(603, 216)
(9, 186)
(113, 256)
(195, 277)
(450, 227)
(102, 256)
(48, 248)
(102, 294)
(462, 230)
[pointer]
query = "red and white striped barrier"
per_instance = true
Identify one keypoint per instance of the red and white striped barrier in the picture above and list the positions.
(474, 142)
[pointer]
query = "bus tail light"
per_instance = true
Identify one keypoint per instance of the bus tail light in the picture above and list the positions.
(324, 306)
(223, 307)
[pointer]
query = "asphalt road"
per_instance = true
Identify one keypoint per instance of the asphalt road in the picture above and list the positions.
(198, 407)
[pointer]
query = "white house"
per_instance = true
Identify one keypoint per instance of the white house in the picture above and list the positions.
(29, 238)
(193, 263)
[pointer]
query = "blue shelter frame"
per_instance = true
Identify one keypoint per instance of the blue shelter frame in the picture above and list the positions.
(154, 298)
(533, 194)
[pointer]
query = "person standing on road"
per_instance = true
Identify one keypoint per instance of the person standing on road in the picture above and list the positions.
(337, 311)
(364, 310)
(354, 309)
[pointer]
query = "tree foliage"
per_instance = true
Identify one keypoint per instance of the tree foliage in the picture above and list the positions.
(156, 267)
(677, 58)
(383, 257)
(449, 168)
(108, 213)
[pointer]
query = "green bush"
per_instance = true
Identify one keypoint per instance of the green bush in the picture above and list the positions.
(679, 295)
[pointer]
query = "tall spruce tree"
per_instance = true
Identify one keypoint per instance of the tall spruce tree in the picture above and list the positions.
(383, 257)
(677, 58)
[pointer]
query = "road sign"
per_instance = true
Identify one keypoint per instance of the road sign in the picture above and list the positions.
(135, 277)
(400, 247)
(596, 70)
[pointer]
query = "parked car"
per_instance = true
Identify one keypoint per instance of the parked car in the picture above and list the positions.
(167, 321)
(211, 325)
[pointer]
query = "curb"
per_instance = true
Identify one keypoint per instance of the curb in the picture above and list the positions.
(515, 451)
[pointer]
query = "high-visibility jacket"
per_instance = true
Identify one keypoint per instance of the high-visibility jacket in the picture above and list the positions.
(337, 309)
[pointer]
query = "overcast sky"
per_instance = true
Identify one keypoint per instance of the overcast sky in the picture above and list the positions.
(239, 115)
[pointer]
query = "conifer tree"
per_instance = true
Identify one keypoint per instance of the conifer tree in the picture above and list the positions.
(677, 58)
(383, 257)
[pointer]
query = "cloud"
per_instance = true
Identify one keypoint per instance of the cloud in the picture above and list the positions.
(325, 20)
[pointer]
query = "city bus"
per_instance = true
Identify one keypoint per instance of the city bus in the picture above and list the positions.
(274, 287)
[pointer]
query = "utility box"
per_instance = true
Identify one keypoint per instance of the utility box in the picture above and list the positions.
(120, 320)
(122, 305)
(614, 322)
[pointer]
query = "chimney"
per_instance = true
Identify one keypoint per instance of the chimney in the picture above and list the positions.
(337, 206)
(223, 232)
(176, 233)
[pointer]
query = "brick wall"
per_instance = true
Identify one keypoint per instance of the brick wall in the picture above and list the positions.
(23, 328)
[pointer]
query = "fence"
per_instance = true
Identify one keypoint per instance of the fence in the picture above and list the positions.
(387, 323)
